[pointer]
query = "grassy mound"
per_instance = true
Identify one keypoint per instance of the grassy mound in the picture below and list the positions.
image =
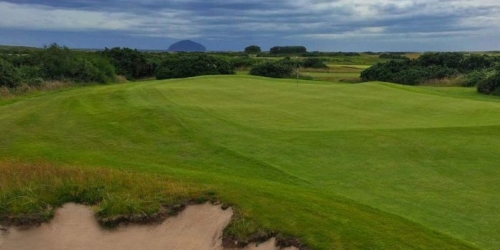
(362, 166)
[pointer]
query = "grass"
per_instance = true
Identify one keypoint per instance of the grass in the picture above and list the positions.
(33, 190)
(365, 166)
(333, 76)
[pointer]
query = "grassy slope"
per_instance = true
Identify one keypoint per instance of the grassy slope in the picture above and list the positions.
(357, 166)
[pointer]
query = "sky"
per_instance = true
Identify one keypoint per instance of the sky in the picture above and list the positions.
(231, 25)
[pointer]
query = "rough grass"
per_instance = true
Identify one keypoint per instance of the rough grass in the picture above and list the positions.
(366, 166)
(33, 191)
(6, 93)
(445, 82)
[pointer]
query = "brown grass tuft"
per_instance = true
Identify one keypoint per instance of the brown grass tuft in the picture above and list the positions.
(445, 82)
(5, 92)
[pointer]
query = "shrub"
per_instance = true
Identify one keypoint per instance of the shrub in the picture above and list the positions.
(314, 63)
(31, 75)
(129, 62)
(475, 77)
(490, 85)
(187, 66)
(429, 68)
(243, 62)
(60, 63)
(274, 69)
(9, 75)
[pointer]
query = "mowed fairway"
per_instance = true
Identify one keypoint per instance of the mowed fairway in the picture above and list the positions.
(361, 166)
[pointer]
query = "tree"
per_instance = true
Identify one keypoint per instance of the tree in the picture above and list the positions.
(252, 49)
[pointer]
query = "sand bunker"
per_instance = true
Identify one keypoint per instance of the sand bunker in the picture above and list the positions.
(74, 227)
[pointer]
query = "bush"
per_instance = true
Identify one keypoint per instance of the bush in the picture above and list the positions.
(314, 63)
(9, 75)
(29, 73)
(188, 66)
(60, 63)
(129, 62)
(274, 69)
(490, 85)
(475, 77)
(243, 62)
(430, 67)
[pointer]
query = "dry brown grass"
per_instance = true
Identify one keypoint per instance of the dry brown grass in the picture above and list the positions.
(445, 82)
(5, 92)
(121, 79)
(25, 89)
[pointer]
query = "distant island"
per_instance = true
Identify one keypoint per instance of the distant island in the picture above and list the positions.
(187, 46)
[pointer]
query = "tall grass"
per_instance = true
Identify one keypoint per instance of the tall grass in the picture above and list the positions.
(30, 192)
(25, 89)
(458, 81)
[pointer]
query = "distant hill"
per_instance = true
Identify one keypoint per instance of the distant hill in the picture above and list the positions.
(187, 46)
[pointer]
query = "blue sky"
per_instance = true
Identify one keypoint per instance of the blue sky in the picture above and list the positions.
(335, 25)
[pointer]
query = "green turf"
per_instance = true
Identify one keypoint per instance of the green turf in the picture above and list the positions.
(354, 166)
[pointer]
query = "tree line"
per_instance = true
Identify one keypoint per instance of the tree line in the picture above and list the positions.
(34, 67)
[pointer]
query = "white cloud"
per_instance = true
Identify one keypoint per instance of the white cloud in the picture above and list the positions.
(38, 17)
(42, 17)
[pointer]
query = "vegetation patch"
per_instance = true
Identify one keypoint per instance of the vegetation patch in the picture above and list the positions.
(196, 65)
(31, 192)
(274, 69)
(430, 67)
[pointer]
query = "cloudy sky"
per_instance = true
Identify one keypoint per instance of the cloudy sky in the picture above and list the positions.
(324, 25)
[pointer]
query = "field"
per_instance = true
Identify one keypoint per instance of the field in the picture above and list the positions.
(339, 166)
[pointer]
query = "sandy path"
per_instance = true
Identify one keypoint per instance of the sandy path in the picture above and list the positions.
(74, 227)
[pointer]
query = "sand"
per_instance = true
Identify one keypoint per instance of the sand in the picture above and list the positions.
(74, 227)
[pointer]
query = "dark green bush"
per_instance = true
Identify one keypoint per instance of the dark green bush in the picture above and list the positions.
(274, 69)
(314, 63)
(475, 77)
(181, 66)
(243, 62)
(490, 85)
(9, 75)
(30, 75)
(129, 62)
(60, 63)
(429, 66)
